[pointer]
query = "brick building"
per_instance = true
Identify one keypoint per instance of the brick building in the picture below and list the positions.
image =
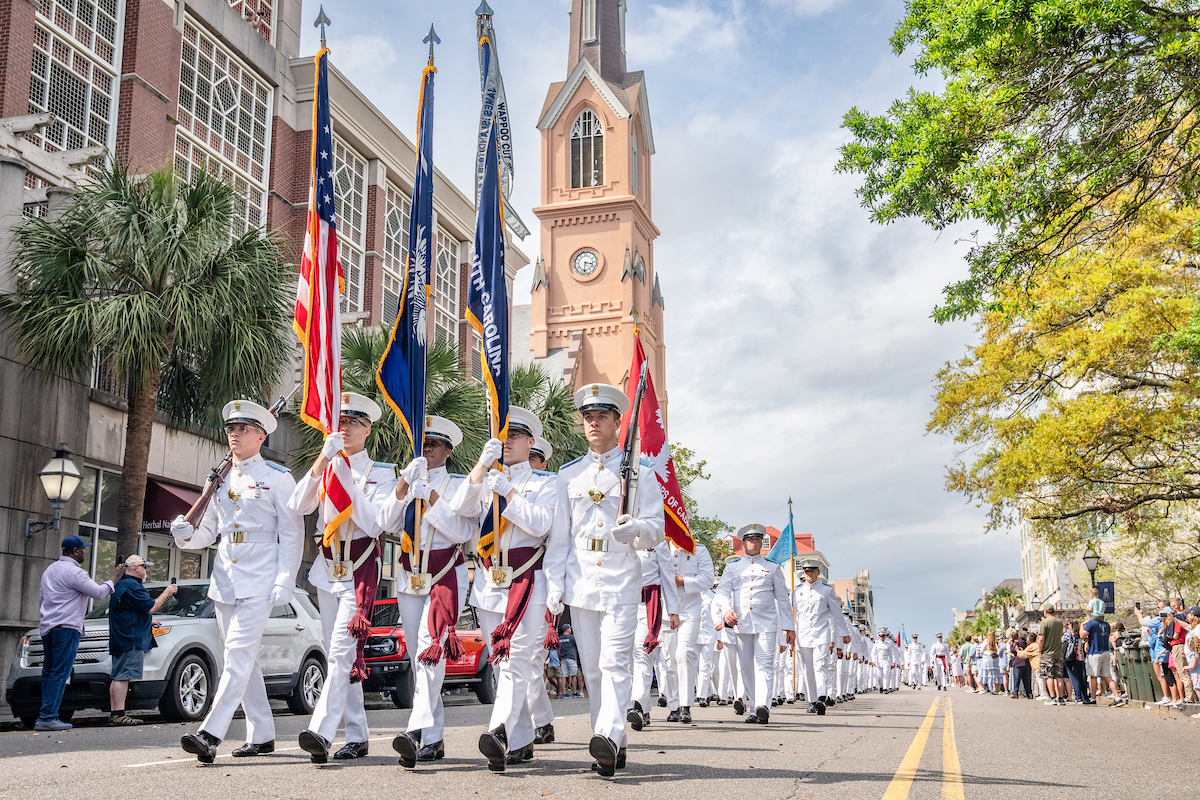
(218, 84)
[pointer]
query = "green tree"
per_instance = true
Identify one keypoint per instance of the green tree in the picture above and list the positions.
(150, 271)
(1055, 123)
(983, 622)
(1004, 598)
(1077, 408)
(531, 387)
(707, 531)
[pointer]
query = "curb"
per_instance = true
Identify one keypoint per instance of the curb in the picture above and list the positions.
(1187, 710)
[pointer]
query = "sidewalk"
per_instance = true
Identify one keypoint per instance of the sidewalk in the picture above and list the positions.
(1188, 709)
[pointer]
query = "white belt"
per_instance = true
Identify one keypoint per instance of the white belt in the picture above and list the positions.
(591, 545)
(250, 537)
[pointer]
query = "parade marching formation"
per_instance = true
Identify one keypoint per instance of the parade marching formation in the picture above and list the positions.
(603, 540)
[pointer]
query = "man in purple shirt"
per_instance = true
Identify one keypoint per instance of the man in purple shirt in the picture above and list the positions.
(66, 589)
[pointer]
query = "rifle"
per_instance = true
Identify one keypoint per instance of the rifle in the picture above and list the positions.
(221, 471)
(632, 456)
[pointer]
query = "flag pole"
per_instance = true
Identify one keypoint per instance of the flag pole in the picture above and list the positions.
(792, 530)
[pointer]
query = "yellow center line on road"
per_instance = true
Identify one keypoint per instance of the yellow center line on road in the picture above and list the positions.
(902, 782)
(952, 784)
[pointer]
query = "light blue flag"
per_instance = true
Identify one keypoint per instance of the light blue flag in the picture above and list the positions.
(785, 546)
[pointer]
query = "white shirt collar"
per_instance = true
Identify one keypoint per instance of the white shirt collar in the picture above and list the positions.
(249, 462)
(358, 458)
(517, 469)
(609, 456)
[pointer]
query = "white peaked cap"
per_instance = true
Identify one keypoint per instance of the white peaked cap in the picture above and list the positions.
(441, 428)
(356, 405)
(601, 395)
(524, 419)
(249, 412)
(542, 446)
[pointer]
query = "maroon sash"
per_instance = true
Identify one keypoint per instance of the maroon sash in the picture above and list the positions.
(366, 585)
(652, 597)
(519, 593)
(443, 607)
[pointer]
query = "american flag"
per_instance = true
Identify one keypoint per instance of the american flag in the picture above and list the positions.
(318, 314)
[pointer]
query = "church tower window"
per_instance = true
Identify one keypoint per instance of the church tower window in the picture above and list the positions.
(587, 151)
(633, 162)
(587, 22)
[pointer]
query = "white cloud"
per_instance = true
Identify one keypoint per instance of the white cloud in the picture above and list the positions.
(692, 29)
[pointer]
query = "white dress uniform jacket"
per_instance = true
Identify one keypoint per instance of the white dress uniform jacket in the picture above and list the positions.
(756, 591)
(697, 572)
(819, 619)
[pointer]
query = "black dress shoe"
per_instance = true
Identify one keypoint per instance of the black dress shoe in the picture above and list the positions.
(812, 708)
(751, 719)
(604, 750)
(352, 750)
(820, 709)
(635, 718)
(685, 715)
(201, 744)
(494, 745)
(407, 746)
(432, 752)
(673, 716)
(702, 702)
(662, 701)
(251, 749)
(315, 745)
(620, 759)
(522, 756)
(544, 734)
(739, 707)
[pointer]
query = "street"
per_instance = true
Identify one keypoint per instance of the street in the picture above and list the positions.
(878, 746)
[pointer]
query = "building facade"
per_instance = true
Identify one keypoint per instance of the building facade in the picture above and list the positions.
(212, 84)
(858, 596)
(594, 280)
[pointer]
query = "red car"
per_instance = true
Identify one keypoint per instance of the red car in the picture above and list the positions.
(389, 670)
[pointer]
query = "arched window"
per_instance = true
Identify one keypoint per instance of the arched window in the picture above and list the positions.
(633, 160)
(587, 151)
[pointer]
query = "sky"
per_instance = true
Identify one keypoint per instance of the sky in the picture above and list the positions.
(819, 382)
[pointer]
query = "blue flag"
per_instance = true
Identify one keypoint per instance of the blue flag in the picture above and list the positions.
(401, 374)
(487, 293)
(785, 546)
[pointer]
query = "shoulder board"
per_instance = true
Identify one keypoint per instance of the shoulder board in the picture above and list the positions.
(732, 559)
(647, 462)
(570, 463)
(385, 465)
(544, 473)
(276, 467)
(455, 475)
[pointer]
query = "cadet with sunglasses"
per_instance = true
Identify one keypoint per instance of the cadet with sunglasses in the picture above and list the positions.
(259, 543)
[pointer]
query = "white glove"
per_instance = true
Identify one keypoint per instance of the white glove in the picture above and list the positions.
(415, 471)
(421, 489)
(334, 444)
(554, 602)
(491, 452)
(499, 483)
(624, 531)
(280, 595)
(181, 528)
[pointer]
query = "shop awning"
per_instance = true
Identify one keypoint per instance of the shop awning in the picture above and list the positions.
(165, 502)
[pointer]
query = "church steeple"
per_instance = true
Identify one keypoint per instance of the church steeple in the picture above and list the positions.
(598, 34)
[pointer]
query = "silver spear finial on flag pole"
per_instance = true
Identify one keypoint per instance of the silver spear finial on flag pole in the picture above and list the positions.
(484, 10)
(431, 40)
(321, 22)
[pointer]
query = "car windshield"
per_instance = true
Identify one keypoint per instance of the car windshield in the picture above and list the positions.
(385, 615)
(189, 601)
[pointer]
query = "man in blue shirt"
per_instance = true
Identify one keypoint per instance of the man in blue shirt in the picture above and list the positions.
(130, 633)
(1099, 660)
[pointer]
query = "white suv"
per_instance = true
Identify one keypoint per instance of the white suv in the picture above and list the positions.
(181, 671)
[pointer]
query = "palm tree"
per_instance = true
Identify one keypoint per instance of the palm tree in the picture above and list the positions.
(1004, 598)
(531, 387)
(150, 271)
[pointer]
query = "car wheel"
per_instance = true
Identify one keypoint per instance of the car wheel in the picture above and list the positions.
(403, 689)
(485, 690)
(189, 690)
(308, 687)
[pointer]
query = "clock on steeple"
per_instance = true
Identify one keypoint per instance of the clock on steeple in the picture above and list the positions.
(595, 279)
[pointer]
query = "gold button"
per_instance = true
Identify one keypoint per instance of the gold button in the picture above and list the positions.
(599, 524)
(599, 563)
(236, 526)
(601, 466)
(234, 560)
(237, 508)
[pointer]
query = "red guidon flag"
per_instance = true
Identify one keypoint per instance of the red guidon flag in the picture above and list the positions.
(318, 320)
(657, 451)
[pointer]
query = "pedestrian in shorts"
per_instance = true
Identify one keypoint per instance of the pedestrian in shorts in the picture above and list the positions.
(130, 633)
(568, 663)
(1052, 668)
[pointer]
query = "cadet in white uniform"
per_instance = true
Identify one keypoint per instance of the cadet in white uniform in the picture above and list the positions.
(939, 656)
(916, 662)
(706, 646)
(881, 654)
(656, 566)
(819, 631)
(592, 564)
(432, 585)
(339, 571)
(259, 544)
(754, 597)
(538, 705)
(690, 576)
(509, 590)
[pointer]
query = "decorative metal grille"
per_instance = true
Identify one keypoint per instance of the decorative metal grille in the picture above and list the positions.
(445, 288)
(256, 12)
(79, 91)
(91, 25)
(350, 178)
(395, 251)
(587, 151)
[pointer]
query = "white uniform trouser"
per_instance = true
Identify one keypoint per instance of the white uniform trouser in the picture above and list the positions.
(428, 714)
(341, 701)
(843, 676)
(537, 702)
(605, 640)
(788, 692)
(644, 663)
(756, 662)
(818, 669)
(679, 648)
(916, 674)
(706, 673)
(731, 677)
(517, 674)
(939, 672)
(241, 624)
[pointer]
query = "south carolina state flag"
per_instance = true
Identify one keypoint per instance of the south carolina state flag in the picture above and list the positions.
(657, 450)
